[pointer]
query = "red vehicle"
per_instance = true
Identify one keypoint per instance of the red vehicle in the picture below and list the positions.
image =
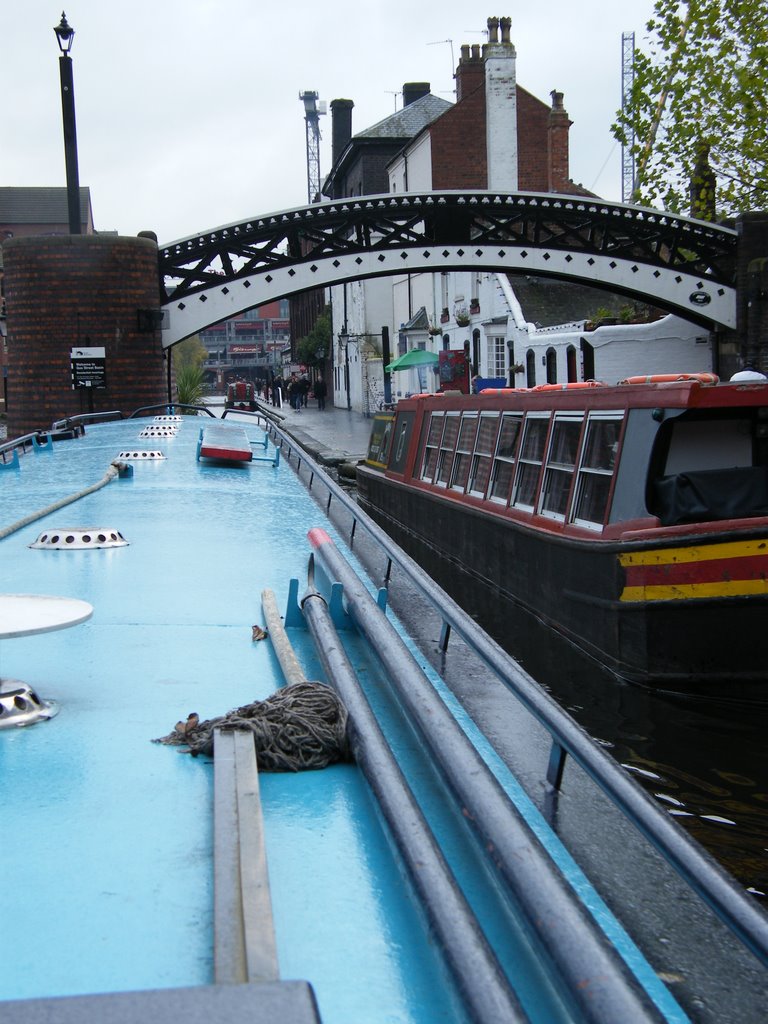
(241, 394)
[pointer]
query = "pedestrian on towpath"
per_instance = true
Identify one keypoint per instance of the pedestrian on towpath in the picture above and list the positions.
(321, 390)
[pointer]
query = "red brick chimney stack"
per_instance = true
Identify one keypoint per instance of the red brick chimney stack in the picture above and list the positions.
(469, 73)
(559, 125)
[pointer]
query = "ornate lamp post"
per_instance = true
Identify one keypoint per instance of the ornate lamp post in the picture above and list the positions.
(65, 35)
(344, 340)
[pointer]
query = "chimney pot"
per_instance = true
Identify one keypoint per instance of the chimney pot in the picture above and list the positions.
(493, 30)
(506, 26)
(414, 91)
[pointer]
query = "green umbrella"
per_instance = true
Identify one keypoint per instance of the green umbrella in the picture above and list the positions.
(416, 357)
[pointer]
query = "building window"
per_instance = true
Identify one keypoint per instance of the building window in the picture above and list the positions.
(497, 358)
(561, 465)
(551, 366)
(530, 369)
(482, 458)
(598, 460)
(572, 364)
(475, 352)
(530, 461)
(444, 290)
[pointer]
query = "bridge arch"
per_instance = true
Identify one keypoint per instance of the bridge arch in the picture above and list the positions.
(683, 265)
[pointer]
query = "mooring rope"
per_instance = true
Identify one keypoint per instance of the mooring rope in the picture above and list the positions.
(300, 727)
(113, 471)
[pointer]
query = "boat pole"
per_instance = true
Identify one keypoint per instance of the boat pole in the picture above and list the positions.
(589, 966)
(480, 979)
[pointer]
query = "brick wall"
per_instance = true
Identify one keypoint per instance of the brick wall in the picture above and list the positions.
(79, 290)
(459, 159)
(459, 151)
(532, 143)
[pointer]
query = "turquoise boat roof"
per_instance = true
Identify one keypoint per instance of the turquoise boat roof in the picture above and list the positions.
(111, 838)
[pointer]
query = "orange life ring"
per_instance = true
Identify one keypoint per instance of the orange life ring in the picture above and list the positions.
(572, 386)
(501, 391)
(669, 378)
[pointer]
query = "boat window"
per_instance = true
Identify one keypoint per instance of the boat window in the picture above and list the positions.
(598, 460)
(447, 449)
(504, 462)
(561, 465)
(464, 447)
(482, 458)
(530, 460)
(709, 466)
(429, 462)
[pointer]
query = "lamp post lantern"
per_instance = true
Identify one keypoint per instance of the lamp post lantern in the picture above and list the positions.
(65, 35)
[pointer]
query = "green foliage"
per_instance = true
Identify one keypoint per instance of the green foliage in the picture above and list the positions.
(189, 385)
(700, 84)
(190, 352)
(318, 340)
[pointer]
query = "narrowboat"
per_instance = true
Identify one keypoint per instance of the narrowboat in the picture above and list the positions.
(241, 394)
(631, 520)
(324, 834)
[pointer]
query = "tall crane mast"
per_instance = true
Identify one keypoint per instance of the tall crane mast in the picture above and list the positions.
(312, 113)
(627, 81)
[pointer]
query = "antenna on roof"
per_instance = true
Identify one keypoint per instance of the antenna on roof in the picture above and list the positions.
(395, 93)
(438, 42)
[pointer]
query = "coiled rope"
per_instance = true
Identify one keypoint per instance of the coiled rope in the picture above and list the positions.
(301, 727)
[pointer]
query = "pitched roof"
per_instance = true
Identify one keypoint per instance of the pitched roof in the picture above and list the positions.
(40, 205)
(409, 121)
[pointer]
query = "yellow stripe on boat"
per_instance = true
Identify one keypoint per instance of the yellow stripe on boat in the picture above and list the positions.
(668, 556)
(689, 591)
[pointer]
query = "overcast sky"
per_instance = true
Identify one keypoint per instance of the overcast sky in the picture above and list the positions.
(188, 113)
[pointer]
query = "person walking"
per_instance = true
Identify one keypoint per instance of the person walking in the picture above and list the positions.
(321, 390)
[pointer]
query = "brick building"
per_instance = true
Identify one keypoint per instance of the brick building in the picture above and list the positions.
(33, 211)
(496, 135)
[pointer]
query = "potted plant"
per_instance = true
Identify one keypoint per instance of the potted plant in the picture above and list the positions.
(462, 317)
(517, 368)
(474, 305)
(434, 328)
(445, 316)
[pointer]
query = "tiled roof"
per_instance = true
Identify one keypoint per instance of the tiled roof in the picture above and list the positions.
(408, 122)
(39, 205)
(418, 322)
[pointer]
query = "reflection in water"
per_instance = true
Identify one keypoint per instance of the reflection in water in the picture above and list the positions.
(704, 761)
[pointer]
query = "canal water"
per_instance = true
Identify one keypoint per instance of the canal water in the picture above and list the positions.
(704, 761)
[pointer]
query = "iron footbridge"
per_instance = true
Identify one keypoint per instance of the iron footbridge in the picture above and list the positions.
(685, 266)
